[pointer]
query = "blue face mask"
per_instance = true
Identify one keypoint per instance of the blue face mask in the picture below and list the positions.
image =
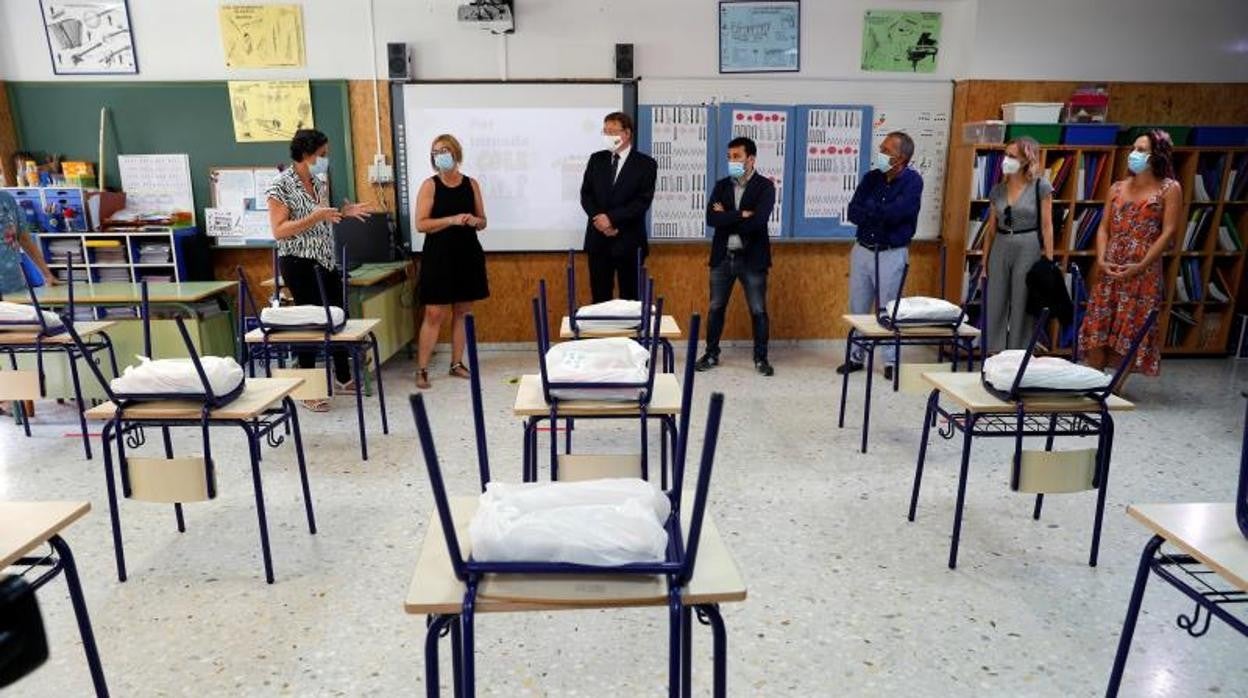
(319, 166)
(444, 161)
(882, 162)
(736, 169)
(1137, 161)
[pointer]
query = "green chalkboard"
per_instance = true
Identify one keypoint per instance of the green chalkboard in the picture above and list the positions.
(168, 117)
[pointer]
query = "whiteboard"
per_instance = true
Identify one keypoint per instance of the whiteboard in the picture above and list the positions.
(526, 144)
(921, 108)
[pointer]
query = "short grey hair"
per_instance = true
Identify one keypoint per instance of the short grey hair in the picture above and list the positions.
(905, 144)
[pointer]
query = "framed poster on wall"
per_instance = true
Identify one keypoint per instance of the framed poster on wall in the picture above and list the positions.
(759, 36)
(89, 37)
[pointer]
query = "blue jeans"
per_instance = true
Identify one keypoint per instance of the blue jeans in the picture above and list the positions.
(862, 283)
(754, 281)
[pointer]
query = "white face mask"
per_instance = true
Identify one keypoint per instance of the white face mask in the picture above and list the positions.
(1011, 165)
(612, 142)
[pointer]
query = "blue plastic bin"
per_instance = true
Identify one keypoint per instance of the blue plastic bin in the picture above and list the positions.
(1214, 136)
(1089, 134)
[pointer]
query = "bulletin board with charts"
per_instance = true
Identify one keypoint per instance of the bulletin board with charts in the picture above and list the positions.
(682, 140)
(239, 215)
(833, 152)
(771, 128)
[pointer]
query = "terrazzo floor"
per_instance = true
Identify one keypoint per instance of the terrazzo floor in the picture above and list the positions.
(845, 596)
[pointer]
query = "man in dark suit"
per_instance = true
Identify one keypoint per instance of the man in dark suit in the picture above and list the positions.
(740, 206)
(616, 193)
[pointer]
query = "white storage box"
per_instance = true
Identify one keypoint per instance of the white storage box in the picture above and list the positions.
(1032, 112)
(983, 132)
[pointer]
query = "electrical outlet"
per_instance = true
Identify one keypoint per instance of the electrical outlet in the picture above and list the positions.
(380, 174)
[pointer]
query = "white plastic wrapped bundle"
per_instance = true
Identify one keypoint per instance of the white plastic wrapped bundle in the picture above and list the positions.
(616, 308)
(604, 360)
(301, 316)
(594, 522)
(920, 310)
(12, 313)
(178, 377)
(1043, 373)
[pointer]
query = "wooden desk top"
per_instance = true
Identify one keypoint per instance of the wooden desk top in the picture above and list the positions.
(25, 526)
(364, 275)
(668, 329)
(868, 326)
(530, 402)
(1207, 532)
(353, 331)
(124, 293)
(965, 389)
(435, 590)
(258, 395)
(28, 335)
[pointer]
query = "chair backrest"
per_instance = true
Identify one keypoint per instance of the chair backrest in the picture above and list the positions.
(686, 404)
(1241, 497)
(1036, 333)
(67, 318)
(645, 287)
(687, 555)
(245, 301)
(1129, 358)
(478, 408)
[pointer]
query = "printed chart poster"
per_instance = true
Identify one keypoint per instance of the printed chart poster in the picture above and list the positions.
(769, 129)
(89, 37)
(900, 42)
(759, 37)
(930, 130)
(680, 138)
(269, 110)
(833, 160)
(262, 36)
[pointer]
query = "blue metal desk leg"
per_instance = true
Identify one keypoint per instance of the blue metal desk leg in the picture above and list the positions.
(686, 652)
(457, 658)
(897, 364)
(1048, 446)
(1105, 451)
(80, 614)
(467, 661)
(1133, 613)
(253, 448)
(434, 627)
(71, 356)
(866, 405)
(675, 613)
(114, 515)
(849, 343)
(933, 399)
(968, 429)
(359, 398)
(709, 615)
(177, 506)
(381, 391)
(524, 458)
(292, 415)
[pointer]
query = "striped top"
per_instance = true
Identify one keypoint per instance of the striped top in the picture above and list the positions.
(317, 242)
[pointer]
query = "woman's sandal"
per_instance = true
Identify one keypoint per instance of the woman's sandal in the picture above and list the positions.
(459, 370)
(348, 387)
(422, 378)
(317, 405)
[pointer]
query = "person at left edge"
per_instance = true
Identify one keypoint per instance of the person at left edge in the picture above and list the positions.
(14, 238)
(616, 193)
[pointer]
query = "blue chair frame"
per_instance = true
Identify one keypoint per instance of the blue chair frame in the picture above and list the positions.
(1096, 422)
(677, 566)
(646, 289)
(129, 432)
(99, 342)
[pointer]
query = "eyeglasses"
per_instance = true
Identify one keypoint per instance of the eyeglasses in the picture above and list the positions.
(1009, 217)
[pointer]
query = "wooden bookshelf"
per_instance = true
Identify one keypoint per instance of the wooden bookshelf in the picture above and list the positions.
(1194, 320)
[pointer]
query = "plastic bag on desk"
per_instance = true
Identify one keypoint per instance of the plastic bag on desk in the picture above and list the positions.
(923, 309)
(1044, 373)
(587, 317)
(178, 377)
(606, 522)
(607, 360)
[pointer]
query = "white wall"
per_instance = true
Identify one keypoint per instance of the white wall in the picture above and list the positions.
(1143, 40)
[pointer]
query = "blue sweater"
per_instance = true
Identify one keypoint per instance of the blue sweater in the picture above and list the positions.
(886, 213)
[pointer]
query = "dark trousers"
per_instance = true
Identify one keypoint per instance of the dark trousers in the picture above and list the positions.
(754, 281)
(605, 267)
(299, 275)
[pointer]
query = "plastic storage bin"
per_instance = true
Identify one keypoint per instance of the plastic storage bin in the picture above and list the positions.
(1178, 134)
(1089, 134)
(1032, 112)
(983, 132)
(1218, 136)
(1045, 134)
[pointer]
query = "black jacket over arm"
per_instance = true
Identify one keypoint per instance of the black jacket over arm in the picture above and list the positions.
(625, 201)
(760, 198)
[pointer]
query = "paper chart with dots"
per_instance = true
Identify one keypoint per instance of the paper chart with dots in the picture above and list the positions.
(769, 129)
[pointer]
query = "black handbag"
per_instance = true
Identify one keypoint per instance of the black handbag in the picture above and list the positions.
(1046, 285)
(23, 643)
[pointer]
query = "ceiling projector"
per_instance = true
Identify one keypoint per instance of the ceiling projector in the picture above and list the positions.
(494, 16)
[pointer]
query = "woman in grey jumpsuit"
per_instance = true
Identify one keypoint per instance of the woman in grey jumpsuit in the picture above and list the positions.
(1020, 228)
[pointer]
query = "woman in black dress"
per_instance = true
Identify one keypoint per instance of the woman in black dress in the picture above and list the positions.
(450, 213)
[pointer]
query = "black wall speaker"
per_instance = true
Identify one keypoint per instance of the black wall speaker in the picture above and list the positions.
(399, 61)
(623, 61)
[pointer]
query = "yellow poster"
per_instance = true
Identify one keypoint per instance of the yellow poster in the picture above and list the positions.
(269, 110)
(262, 36)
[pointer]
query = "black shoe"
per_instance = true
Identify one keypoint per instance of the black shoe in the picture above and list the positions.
(707, 362)
(849, 367)
(764, 368)
(888, 372)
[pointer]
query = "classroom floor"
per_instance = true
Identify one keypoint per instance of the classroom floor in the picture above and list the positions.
(845, 596)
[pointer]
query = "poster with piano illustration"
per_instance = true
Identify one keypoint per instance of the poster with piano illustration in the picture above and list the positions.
(771, 129)
(682, 140)
(832, 154)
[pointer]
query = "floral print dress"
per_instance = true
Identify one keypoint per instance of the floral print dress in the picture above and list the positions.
(1117, 308)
